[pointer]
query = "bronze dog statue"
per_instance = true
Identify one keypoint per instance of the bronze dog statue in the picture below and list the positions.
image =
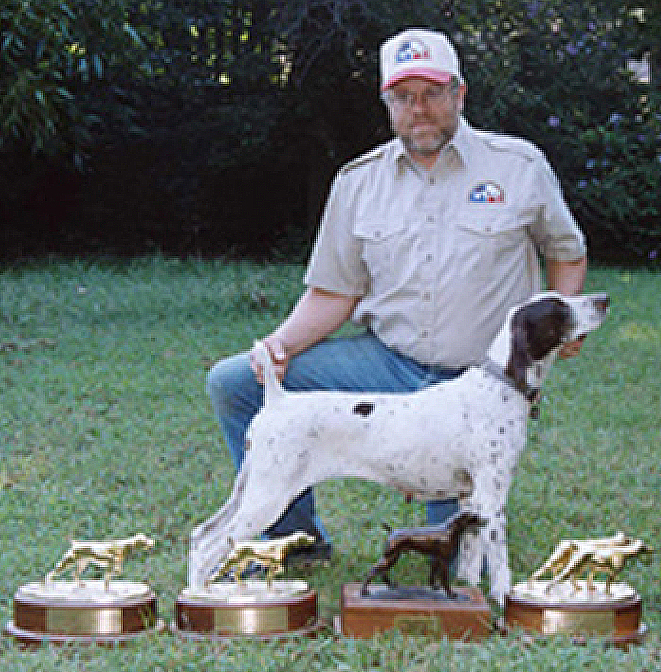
(440, 542)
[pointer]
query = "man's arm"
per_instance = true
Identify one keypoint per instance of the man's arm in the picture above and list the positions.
(567, 277)
(317, 314)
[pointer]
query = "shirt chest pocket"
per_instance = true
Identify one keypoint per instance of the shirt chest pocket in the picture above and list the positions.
(382, 246)
(487, 245)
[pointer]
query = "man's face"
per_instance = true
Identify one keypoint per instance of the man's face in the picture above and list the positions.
(425, 115)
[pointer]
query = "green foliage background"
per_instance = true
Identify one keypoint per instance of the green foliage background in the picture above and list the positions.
(167, 106)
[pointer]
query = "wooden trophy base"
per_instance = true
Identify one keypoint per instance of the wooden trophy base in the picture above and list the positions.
(251, 609)
(580, 613)
(68, 612)
(417, 611)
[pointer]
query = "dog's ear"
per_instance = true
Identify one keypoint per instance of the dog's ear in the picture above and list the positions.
(520, 358)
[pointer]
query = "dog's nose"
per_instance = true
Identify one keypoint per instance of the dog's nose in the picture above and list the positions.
(602, 303)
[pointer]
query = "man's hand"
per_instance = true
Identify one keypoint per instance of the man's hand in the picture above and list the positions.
(317, 314)
(571, 349)
(279, 357)
(567, 277)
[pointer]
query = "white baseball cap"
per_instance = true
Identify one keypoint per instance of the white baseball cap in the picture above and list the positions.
(417, 52)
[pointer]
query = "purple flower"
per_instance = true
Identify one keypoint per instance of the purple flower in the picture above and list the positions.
(553, 121)
(533, 9)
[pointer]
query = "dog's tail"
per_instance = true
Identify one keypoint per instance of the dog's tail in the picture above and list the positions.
(272, 386)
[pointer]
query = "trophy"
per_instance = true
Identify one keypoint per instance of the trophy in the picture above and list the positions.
(439, 610)
(572, 602)
(101, 611)
(236, 606)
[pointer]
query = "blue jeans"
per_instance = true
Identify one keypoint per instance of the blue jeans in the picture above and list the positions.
(359, 363)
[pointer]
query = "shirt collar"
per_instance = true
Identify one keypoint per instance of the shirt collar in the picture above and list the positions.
(459, 146)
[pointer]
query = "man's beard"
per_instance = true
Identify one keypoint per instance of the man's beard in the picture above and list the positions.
(430, 148)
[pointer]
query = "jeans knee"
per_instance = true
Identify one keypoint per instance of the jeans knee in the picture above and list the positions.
(231, 386)
(219, 384)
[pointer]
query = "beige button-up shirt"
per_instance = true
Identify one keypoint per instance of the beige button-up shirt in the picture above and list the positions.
(438, 257)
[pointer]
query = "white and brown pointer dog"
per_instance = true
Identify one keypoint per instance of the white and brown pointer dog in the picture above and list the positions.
(459, 438)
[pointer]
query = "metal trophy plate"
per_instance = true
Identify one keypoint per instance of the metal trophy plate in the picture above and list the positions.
(581, 607)
(248, 608)
(543, 608)
(87, 612)
(414, 611)
(106, 611)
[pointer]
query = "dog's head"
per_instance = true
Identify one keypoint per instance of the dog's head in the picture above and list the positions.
(540, 327)
(467, 521)
(142, 541)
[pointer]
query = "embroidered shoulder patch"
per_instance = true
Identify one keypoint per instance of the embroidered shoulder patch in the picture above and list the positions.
(487, 192)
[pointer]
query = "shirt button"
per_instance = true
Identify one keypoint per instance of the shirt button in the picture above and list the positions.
(424, 333)
(430, 218)
(432, 181)
(426, 296)
(429, 257)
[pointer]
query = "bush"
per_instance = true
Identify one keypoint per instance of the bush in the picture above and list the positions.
(290, 89)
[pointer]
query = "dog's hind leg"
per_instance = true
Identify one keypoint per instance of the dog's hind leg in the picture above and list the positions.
(257, 510)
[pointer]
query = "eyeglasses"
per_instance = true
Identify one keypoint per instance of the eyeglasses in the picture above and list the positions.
(430, 96)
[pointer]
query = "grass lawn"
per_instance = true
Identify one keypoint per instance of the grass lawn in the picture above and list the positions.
(106, 430)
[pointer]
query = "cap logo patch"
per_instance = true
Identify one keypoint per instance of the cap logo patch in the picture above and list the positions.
(412, 50)
(488, 192)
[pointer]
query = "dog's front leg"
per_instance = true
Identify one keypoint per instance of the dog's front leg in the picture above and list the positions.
(471, 552)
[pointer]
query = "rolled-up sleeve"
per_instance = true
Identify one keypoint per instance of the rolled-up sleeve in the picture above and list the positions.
(555, 230)
(336, 263)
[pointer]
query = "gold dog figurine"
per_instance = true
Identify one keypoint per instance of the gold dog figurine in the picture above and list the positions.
(109, 555)
(270, 553)
(573, 557)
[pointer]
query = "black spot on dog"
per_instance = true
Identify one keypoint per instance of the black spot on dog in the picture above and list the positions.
(363, 408)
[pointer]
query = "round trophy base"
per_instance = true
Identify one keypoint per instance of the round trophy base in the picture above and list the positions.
(542, 608)
(247, 609)
(82, 612)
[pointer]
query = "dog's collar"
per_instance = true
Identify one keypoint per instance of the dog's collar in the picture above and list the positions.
(532, 394)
